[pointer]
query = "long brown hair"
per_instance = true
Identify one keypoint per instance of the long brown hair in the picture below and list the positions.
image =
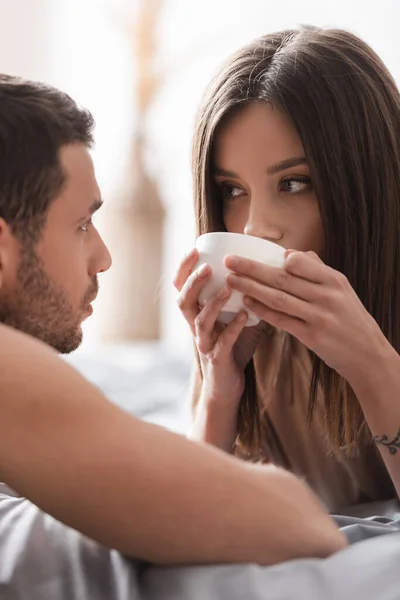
(346, 109)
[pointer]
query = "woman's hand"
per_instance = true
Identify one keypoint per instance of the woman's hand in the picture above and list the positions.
(224, 350)
(314, 303)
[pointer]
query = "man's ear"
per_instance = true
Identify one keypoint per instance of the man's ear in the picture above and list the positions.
(9, 252)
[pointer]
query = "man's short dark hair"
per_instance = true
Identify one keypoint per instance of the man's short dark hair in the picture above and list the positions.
(36, 121)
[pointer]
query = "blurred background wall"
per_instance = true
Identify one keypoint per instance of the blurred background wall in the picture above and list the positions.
(141, 67)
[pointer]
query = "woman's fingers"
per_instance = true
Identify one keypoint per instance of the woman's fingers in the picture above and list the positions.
(208, 338)
(310, 253)
(305, 265)
(231, 333)
(189, 294)
(272, 298)
(206, 320)
(293, 325)
(304, 275)
(185, 268)
(308, 265)
(273, 277)
(203, 321)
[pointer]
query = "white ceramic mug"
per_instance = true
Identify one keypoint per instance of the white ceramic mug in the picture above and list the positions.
(214, 247)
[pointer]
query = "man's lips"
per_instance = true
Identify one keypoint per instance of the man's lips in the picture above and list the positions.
(88, 307)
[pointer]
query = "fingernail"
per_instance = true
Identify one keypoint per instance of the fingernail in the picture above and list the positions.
(202, 271)
(242, 316)
(189, 254)
(289, 252)
(232, 262)
(248, 301)
(223, 293)
(233, 279)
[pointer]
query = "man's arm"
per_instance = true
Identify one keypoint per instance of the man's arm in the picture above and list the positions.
(137, 487)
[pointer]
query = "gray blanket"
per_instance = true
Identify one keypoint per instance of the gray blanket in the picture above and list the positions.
(40, 559)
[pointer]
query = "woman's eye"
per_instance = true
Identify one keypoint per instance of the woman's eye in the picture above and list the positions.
(230, 191)
(295, 185)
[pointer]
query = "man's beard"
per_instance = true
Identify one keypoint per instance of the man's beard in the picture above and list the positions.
(39, 307)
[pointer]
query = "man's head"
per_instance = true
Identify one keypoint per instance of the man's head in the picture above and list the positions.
(50, 251)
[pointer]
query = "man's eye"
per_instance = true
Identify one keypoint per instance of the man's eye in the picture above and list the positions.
(295, 185)
(86, 225)
(230, 191)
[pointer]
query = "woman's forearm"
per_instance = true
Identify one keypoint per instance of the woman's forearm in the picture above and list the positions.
(214, 424)
(136, 487)
(377, 387)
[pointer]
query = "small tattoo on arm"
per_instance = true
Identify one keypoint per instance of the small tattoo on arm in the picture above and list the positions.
(393, 444)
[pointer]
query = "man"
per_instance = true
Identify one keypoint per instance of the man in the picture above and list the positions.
(129, 485)
(50, 251)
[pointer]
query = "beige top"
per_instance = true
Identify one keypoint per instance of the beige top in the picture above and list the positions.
(338, 480)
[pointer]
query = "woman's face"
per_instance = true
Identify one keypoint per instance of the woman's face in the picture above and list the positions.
(261, 171)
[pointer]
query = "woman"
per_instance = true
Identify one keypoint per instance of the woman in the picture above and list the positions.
(298, 142)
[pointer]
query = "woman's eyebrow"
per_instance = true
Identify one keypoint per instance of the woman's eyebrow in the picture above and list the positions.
(286, 164)
(218, 172)
(295, 161)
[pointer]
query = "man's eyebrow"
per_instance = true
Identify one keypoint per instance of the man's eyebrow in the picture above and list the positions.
(272, 170)
(94, 207)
